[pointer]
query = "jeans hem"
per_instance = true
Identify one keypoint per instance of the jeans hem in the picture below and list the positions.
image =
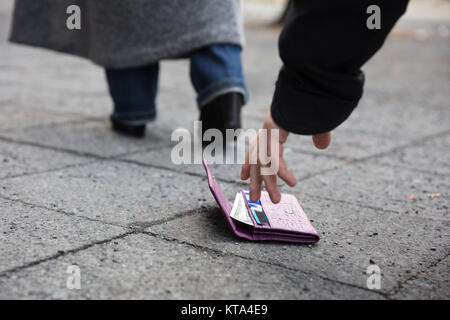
(134, 117)
(221, 87)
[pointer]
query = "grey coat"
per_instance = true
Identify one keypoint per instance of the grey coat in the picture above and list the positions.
(128, 33)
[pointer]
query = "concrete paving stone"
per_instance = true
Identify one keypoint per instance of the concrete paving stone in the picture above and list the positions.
(399, 119)
(174, 77)
(29, 233)
(43, 69)
(378, 125)
(93, 137)
(363, 136)
(351, 239)
(86, 81)
(177, 109)
(406, 191)
(347, 143)
(308, 165)
(5, 8)
(431, 155)
(12, 117)
(16, 159)
(97, 104)
(260, 77)
(120, 193)
(410, 75)
(261, 63)
(430, 284)
(143, 267)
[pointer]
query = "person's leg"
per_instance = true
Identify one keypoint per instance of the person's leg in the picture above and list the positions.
(217, 76)
(133, 92)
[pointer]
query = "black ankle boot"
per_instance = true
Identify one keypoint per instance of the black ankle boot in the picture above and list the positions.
(224, 112)
(133, 130)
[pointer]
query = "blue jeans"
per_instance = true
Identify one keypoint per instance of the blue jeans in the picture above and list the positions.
(214, 70)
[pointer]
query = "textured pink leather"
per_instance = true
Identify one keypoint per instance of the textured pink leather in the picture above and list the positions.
(287, 215)
(288, 221)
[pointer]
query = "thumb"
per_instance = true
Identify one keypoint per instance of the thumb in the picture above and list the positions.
(322, 140)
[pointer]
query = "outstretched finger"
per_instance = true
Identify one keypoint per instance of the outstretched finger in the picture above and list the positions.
(270, 182)
(250, 159)
(245, 170)
(255, 183)
(286, 175)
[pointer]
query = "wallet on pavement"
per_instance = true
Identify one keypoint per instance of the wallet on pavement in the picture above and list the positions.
(285, 221)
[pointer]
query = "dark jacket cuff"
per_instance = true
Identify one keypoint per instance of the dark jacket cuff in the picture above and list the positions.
(300, 110)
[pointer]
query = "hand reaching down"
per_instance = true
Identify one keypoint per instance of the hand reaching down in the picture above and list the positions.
(264, 160)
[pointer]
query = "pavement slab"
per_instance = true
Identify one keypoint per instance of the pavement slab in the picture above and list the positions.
(352, 238)
(311, 164)
(144, 267)
(114, 192)
(429, 156)
(430, 284)
(17, 159)
(348, 144)
(14, 118)
(384, 116)
(368, 184)
(74, 76)
(410, 75)
(381, 124)
(53, 101)
(90, 137)
(32, 233)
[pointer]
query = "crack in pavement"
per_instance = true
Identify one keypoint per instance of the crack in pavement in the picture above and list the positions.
(61, 253)
(133, 228)
(141, 226)
(53, 124)
(136, 226)
(66, 213)
(364, 206)
(424, 171)
(76, 152)
(270, 263)
(430, 268)
(67, 166)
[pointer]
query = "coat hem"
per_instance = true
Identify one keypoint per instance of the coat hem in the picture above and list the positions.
(139, 57)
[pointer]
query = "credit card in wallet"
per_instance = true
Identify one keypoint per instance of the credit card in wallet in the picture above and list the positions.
(257, 210)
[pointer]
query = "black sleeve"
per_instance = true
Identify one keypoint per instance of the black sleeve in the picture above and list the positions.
(323, 46)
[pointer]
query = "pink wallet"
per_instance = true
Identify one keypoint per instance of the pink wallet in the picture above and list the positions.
(286, 220)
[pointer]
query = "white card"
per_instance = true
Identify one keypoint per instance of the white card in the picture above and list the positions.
(239, 210)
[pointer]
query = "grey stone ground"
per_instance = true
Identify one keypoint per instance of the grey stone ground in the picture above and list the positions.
(73, 192)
